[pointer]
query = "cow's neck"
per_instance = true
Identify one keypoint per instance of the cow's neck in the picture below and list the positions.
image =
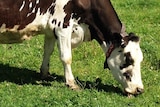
(107, 25)
(104, 14)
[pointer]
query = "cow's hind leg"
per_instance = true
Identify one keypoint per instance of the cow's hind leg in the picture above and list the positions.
(49, 43)
(64, 45)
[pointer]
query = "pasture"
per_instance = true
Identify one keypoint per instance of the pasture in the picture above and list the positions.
(20, 84)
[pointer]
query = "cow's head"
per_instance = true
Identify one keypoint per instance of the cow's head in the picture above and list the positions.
(124, 61)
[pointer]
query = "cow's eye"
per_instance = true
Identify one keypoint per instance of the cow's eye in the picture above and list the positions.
(127, 75)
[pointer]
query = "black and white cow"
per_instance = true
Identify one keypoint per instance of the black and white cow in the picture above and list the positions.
(69, 23)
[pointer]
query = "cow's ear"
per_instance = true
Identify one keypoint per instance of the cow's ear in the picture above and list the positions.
(133, 37)
(124, 41)
(130, 37)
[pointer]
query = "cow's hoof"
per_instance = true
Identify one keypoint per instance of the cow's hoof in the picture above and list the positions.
(45, 75)
(73, 87)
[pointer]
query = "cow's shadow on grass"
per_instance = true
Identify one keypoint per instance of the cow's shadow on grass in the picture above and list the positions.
(23, 76)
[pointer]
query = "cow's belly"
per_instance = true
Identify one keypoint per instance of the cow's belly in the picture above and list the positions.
(9, 36)
(12, 37)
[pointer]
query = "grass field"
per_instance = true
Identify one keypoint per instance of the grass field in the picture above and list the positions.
(20, 85)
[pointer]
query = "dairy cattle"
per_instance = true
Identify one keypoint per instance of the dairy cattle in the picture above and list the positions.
(69, 23)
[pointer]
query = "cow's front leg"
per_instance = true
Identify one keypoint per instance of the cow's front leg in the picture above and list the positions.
(49, 43)
(64, 45)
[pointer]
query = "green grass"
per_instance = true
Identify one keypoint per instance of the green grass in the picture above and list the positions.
(20, 85)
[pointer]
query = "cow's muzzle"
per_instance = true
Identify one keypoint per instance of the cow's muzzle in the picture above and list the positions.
(135, 93)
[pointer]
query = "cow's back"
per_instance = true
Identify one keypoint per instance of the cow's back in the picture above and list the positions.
(21, 12)
(21, 19)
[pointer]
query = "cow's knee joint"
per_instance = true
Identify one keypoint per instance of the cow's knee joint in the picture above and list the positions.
(66, 60)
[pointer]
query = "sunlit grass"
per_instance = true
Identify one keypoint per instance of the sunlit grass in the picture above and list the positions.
(19, 67)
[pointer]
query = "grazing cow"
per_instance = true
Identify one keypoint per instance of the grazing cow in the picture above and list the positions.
(69, 23)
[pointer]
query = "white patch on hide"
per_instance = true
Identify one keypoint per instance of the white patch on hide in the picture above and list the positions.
(30, 5)
(135, 51)
(59, 13)
(37, 1)
(3, 28)
(22, 6)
